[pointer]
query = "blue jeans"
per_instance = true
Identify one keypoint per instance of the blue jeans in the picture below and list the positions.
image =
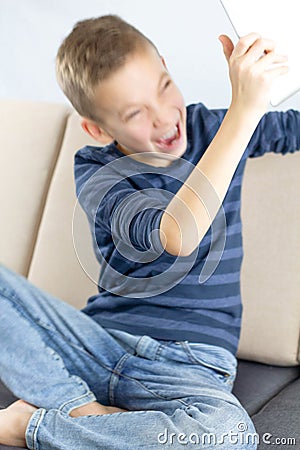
(178, 393)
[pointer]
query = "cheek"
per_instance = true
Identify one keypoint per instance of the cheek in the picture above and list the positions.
(178, 98)
(181, 102)
(141, 132)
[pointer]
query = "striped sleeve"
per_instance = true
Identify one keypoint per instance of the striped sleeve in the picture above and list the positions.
(277, 132)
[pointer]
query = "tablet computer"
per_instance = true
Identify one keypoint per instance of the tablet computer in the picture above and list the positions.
(277, 20)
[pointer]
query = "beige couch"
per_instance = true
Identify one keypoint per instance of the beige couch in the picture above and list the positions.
(38, 142)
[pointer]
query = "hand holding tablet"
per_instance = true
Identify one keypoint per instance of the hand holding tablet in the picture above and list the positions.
(276, 20)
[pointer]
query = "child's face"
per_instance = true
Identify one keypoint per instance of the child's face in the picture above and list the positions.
(142, 108)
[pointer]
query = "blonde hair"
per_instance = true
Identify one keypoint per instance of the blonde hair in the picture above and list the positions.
(93, 51)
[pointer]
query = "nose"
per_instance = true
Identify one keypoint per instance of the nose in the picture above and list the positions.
(160, 117)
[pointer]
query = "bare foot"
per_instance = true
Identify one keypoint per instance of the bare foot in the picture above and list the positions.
(94, 409)
(13, 423)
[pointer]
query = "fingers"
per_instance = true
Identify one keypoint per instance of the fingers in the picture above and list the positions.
(271, 61)
(253, 49)
(253, 66)
(259, 48)
(277, 71)
(243, 45)
(227, 45)
(252, 45)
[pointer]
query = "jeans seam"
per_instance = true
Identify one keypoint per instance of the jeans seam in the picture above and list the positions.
(116, 374)
(13, 300)
(147, 389)
(159, 351)
(37, 322)
(72, 344)
(86, 394)
(33, 433)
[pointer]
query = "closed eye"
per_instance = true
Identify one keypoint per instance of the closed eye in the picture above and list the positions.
(133, 114)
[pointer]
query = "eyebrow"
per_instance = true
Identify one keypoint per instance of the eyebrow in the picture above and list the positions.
(132, 105)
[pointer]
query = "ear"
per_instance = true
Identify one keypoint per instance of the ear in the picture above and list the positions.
(95, 131)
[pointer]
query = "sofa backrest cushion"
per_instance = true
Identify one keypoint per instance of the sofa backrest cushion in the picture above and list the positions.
(31, 135)
(270, 278)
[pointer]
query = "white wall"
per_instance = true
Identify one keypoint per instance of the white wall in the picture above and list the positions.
(185, 31)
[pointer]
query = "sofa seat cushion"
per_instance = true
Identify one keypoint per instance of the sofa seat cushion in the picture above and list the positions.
(257, 383)
(280, 419)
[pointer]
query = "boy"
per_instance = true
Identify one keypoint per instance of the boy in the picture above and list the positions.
(151, 359)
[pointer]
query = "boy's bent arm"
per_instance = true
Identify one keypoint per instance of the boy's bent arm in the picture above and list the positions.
(192, 210)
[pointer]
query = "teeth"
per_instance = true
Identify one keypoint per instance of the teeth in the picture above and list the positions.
(170, 134)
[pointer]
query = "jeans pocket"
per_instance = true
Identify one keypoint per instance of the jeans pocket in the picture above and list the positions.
(218, 361)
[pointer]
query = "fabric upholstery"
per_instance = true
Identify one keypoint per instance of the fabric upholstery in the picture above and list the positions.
(30, 134)
(270, 272)
(280, 418)
(55, 266)
(257, 383)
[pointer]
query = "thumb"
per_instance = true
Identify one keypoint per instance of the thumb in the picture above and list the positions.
(227, 45)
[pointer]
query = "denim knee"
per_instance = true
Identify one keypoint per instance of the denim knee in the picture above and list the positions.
(211, 423)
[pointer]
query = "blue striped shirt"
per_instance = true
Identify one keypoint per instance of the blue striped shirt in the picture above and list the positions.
(142, 288)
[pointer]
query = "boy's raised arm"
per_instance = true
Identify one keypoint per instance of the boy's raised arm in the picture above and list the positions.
(192, 210)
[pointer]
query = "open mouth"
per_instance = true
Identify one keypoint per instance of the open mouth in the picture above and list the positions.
(171, 139)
